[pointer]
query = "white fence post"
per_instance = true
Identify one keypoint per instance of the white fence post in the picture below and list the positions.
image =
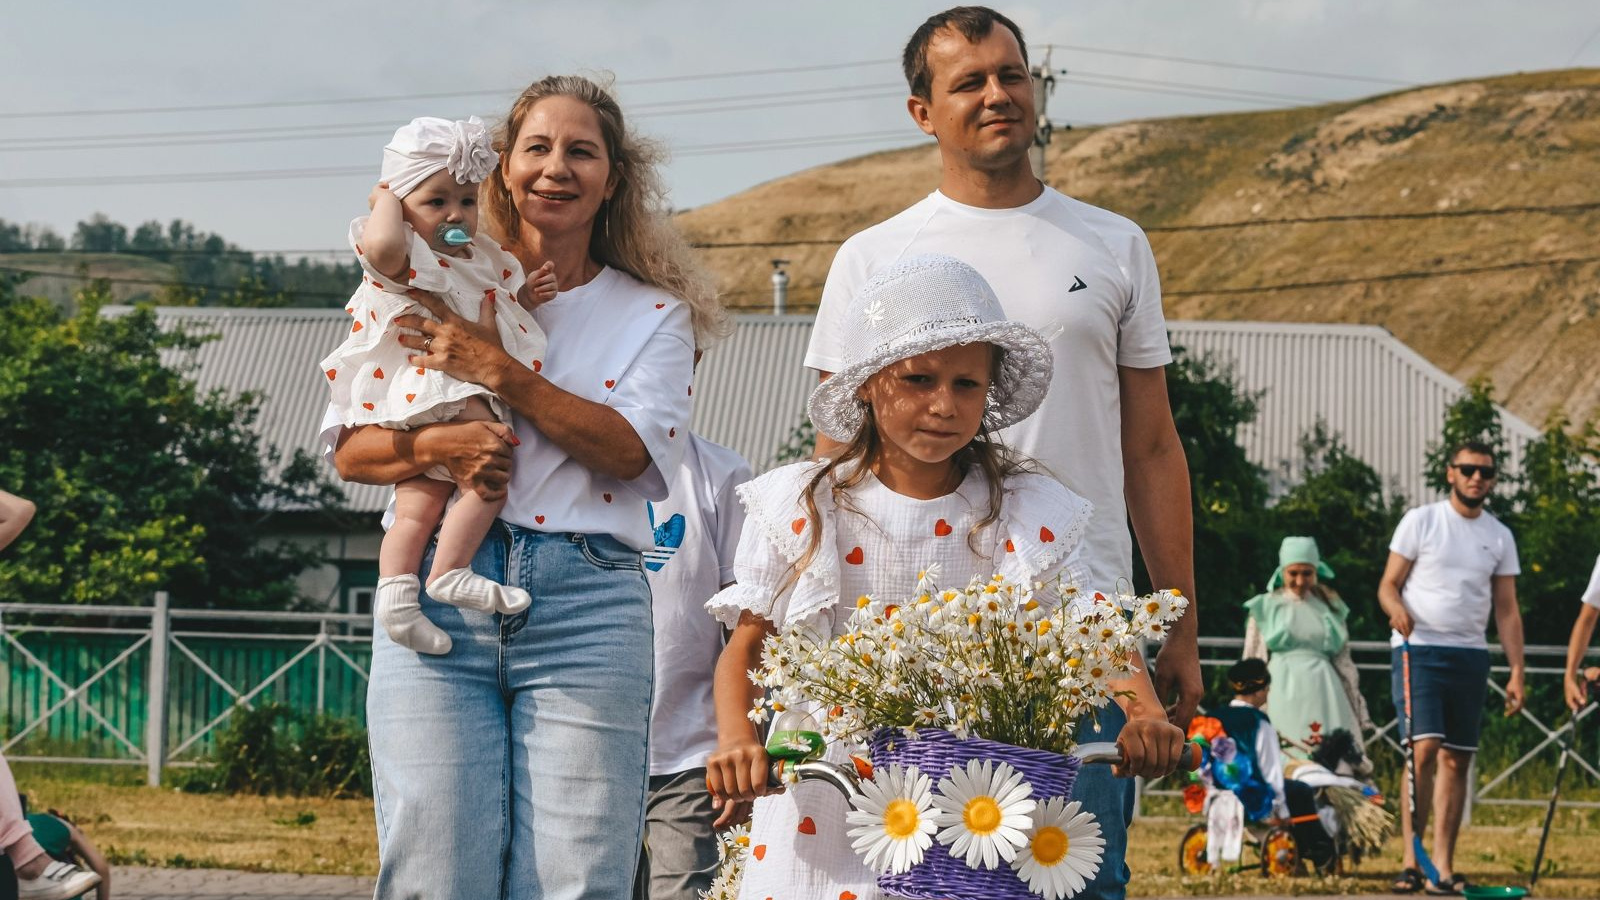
(155, 729)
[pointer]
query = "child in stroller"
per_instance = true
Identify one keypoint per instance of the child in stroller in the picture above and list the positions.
(1242, 788)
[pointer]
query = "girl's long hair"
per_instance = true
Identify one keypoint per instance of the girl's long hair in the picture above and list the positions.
(633, 231)
(995, 460)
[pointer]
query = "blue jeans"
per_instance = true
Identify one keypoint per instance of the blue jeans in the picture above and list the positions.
(514, 766)
(1110, 800)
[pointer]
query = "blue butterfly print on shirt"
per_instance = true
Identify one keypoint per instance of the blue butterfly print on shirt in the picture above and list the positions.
(669, 537)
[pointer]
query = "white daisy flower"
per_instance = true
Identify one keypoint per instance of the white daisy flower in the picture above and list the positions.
(893, 815)
(1063, 850)
(928, 578)
(983, 812)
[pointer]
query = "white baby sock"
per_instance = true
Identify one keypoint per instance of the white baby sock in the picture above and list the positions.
(469, 590)
(398, 610)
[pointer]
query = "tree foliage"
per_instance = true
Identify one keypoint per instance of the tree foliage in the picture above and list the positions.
(1473, 417)
(1553, 503)
(141, 482)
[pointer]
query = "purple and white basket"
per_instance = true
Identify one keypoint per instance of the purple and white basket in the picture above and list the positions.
(935, 752)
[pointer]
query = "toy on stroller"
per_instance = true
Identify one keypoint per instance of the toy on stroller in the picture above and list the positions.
(1331, 815)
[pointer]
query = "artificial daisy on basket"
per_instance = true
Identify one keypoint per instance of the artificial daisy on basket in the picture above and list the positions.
(967, 699)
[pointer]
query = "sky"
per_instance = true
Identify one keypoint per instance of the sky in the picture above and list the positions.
(219, 113)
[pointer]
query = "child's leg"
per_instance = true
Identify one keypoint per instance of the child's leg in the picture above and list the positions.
(418, 503)
(452, 580)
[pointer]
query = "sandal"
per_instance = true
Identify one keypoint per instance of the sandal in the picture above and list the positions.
(1409, 881)
(1447, 889)
(1459, 883)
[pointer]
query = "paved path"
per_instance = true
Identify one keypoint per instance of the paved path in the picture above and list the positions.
(129, 883)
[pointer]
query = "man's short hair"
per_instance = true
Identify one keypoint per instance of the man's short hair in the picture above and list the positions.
(972, 22)
(1477, 447)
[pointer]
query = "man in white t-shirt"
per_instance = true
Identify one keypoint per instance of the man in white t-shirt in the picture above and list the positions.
(1084, 277)
(1451, 564)
(696, 533)
(1580, 682)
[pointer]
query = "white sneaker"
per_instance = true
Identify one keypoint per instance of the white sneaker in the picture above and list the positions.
(60, 881)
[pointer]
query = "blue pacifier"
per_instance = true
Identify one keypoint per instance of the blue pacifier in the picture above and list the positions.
(453, 235)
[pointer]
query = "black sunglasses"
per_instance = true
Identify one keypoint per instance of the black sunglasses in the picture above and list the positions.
(1468, 470)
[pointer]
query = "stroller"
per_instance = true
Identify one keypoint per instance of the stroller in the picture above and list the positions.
(1237, 802)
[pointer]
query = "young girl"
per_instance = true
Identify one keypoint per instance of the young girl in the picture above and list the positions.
(421, 234)
(933, 369)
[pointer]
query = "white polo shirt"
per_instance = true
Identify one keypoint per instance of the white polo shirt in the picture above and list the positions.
(1082, 276)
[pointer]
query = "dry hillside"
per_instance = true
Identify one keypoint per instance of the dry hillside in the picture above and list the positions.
(1476, 294)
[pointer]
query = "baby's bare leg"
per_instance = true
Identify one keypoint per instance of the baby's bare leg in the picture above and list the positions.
(418, 503)
(466, 523)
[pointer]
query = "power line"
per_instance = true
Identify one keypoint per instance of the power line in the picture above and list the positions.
(1075, 74)
(1554, 210)
(1375, 279)
(1232, 65)
(436, 95)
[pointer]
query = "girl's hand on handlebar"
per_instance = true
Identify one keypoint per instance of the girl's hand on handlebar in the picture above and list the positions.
(737, 773)
(1150, 748)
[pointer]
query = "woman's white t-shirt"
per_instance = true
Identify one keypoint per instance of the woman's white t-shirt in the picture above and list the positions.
(622, 343)
(1591, 594)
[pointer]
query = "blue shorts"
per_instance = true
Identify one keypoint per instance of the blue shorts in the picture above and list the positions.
(1448, 689)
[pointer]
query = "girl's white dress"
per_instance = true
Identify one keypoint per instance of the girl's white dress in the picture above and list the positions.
(370, 376)
(799, 848)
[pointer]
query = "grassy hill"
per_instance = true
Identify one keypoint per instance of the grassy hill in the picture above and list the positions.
(69, 273)
(1476, 294)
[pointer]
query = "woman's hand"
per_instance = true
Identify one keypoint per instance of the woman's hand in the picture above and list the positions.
(478, 455)
(1151, 748)
(470, 351)
(737, 773)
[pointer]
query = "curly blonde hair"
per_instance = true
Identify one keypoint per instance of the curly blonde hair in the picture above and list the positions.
(634, 231)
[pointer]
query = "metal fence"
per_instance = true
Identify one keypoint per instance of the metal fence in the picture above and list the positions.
(153, 686)
(1533, 725)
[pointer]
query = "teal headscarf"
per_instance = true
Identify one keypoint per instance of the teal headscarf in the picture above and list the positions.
(1293, 551)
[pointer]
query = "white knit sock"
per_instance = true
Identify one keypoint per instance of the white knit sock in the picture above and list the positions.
(469, 590)
(399, 611)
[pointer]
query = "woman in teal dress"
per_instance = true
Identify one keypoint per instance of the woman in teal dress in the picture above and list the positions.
(1298, 627)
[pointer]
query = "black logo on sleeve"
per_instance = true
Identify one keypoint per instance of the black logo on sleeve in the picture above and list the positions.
(1077, 284)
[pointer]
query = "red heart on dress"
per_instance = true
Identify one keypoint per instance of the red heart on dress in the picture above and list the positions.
(606, 497)
(691, 390)
(377, 285)
(1010, 547)
(759, 851)
(1046, 535)
(523, 327)
(421, 370)
(855, 557)
(661, 306)
(356, 327)
(367, 406)
(611, 383)
(350, 310)
(443, 263)
(410, 397)
(537, 365)
(846, 895)
(332, 373)
(505, 273)
(797, 526)
(672, 432)
(377, 373)
(941, 528)
(539, 519)
(372, 314)
(807, 826)
(411, 274)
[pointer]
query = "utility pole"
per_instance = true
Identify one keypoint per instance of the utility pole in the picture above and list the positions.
(780, 286)
(1044, 84)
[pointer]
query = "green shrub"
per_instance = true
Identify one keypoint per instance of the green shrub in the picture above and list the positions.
(274, 749)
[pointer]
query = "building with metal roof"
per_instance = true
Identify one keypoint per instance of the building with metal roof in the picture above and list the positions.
(1383, 399)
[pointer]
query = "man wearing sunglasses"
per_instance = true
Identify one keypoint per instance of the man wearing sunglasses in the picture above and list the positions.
(1451, 563)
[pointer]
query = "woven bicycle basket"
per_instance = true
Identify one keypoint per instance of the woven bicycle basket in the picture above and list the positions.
(935, 752)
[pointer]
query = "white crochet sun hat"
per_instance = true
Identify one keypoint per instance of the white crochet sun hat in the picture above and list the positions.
(927, 303)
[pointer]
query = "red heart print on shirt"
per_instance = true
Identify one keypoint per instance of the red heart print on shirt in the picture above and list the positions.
(332, 373)
(538, 520)
(661, 306)
(421, 370)
(366, 406)
(537, 365)
(610, 383)
(606, 497)
(377, 285)
(378, 373)
(797, 526)
(941, 528)
(505, 273)
(846, 895)
(808, 826)
(855, 557)
(672, 432)
(759, 851)
(411, 274)
(443, 263)
(1010, 547)
(410, 397)
(1046, 535)
(356, 327)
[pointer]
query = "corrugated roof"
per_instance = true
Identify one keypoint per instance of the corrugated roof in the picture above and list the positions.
(1384, 399)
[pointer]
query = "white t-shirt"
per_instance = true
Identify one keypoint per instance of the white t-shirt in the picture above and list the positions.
(625, 344)
(1591, 594)
(1453, 561)
(696, 535)
(1084, 277)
